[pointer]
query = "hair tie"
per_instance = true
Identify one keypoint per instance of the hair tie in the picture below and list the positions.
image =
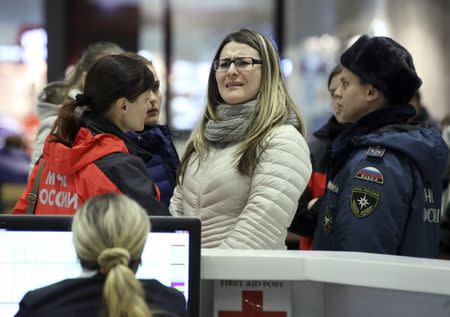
(82, 99)
(111, 257)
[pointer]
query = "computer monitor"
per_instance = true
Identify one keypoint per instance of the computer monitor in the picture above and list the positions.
(36, 251)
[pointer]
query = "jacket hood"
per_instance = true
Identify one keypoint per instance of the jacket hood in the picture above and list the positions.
(86, 149)
(423, 145)
(47, 109)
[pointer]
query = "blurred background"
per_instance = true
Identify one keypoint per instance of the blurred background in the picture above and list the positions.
(40, 39)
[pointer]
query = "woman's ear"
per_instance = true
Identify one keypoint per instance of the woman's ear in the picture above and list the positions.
(373, 93)
(121, 103)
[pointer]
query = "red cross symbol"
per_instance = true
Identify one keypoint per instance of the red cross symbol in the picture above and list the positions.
(252, 306)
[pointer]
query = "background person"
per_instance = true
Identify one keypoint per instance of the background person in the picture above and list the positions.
(445, 204)
(109, 234)
(422, 115)
(54, 94)
(92, 155)
(156, 139)
(246, 163)
(305, 220)
(385, 177)
(14, 161)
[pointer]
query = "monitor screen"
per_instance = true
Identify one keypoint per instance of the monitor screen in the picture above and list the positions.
(38, 250)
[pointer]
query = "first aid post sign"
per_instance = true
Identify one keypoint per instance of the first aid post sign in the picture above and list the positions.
(252, 298)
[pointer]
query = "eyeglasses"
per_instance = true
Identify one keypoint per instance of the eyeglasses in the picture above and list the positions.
(241, 63)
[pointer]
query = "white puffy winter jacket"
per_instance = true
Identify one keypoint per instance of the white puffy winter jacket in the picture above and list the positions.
(242, 212)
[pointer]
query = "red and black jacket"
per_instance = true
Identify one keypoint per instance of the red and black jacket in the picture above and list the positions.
(305, 220)
(103, 159)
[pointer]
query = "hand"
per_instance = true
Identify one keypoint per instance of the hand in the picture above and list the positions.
(312, 202)
(292, 237)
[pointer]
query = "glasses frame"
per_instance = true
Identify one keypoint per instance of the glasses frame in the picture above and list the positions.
(232, 61)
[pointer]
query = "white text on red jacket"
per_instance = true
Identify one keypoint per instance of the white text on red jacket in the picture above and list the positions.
(53, 193)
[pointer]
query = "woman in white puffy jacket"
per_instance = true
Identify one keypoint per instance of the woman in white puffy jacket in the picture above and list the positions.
(247, 163)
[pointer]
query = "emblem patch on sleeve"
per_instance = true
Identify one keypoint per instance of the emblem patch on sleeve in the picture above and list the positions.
(364, 201)
(327, 221)
(371, 174)
(333, 187)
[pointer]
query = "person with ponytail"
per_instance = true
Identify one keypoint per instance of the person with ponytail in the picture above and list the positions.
(109, 234)
(92, 154)
(247, 162)
(55, 93)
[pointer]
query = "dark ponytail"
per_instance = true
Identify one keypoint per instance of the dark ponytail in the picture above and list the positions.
(67, 124)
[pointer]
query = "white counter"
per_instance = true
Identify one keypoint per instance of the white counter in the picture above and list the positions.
(338, 283)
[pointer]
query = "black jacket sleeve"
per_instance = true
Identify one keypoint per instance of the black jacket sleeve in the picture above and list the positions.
(164, 301)
(305, 220)
(128, 173)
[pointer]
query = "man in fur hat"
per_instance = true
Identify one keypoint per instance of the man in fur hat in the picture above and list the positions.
(385, 178)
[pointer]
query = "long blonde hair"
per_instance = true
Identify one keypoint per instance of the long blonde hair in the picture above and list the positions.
(109, 233)
(273, 107)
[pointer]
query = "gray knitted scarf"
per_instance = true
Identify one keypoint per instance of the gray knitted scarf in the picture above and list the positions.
(234, 123)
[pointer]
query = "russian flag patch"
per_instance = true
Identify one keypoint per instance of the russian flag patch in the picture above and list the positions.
(370, 174)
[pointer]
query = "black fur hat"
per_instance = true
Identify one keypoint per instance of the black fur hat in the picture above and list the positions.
(386, 65)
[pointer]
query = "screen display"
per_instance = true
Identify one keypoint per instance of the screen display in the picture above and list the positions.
(33, 259)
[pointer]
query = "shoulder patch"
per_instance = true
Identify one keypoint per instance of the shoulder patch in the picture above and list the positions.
(371, 174)
(327, 221)
(376, 151)
(363, 201)
(333, 187)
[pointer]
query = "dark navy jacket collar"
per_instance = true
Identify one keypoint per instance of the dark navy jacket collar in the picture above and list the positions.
(98, 124)
(346, 141)
(161, 132)
(373, 121)
(398, 114)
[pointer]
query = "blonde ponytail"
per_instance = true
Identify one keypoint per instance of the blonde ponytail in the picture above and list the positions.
(109, 233)
(115, 263)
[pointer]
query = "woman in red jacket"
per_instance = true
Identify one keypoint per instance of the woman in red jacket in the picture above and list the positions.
(92, 155)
